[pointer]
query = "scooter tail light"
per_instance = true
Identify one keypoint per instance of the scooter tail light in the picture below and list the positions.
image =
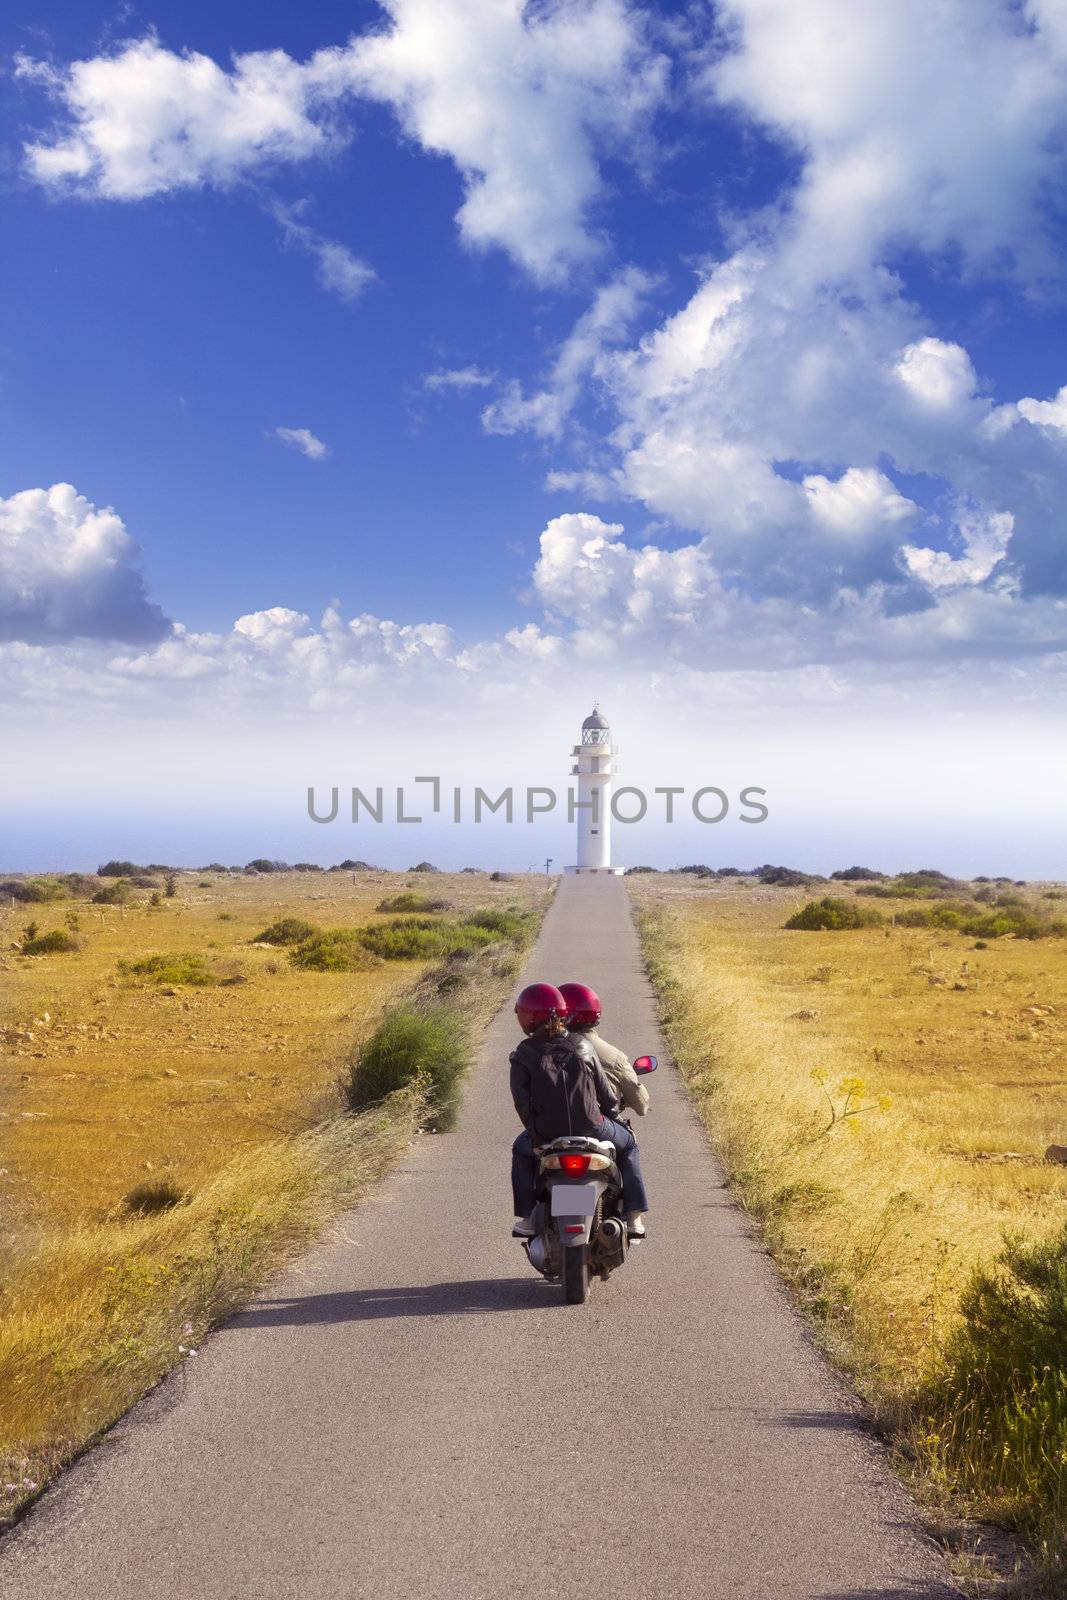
(574, 1163)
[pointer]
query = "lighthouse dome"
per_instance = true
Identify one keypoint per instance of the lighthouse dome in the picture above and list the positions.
(595, 719)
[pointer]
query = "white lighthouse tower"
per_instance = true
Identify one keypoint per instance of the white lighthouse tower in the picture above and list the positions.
(594, 770)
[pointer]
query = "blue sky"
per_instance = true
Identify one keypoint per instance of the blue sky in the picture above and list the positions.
(708, 358)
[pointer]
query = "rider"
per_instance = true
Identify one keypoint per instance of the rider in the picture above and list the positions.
(542, 1014)
(583, 1014)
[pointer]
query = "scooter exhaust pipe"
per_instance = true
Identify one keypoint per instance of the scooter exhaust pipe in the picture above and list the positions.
(610, 1233)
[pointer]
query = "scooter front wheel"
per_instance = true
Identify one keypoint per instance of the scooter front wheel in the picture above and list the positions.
(575, 1273)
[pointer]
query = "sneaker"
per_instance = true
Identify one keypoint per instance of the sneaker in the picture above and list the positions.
(523, 1228)
(635, 1225)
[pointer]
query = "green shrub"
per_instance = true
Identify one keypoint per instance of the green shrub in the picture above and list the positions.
(34, 891)
(187, 967)
(784, 877)
(1010, 916)
(423, 938)
(509, 924)
(118, 869)
(113, 894)
(408, 901)
(411, 1042)
(46, 944)
(1000, 1403)
(289, 930)
(834, 915)
(857, 875)
(334, 950)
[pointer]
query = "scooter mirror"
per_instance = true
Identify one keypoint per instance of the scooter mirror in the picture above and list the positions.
(645, 1064)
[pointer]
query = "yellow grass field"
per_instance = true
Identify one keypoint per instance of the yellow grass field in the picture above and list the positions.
(226, 1093)
(883, 1097)
(109, 1080)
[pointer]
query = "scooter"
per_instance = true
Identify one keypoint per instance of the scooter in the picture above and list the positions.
(579, 1225)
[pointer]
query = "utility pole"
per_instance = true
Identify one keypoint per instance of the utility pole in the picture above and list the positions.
(548, 863)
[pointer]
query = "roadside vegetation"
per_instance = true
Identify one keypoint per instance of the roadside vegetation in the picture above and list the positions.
(883, 1097)
(185, 1106)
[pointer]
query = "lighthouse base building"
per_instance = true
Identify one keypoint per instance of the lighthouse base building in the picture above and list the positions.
(595, 769)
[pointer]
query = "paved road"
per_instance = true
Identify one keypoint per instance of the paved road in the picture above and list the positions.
(414, 1413)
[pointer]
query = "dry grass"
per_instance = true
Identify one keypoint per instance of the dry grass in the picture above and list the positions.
(92, 1316)
(223, 1098)
(883, 1099)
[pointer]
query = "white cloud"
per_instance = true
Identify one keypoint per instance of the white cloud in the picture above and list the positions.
(930, 122)
(861, 504)
(69, 570)
(1051, 414)
(460, 378)
(939, 375)
(984, 540)
(340, 269)
(607, 321)
(146, 120)
(302, 439)
(522, 99)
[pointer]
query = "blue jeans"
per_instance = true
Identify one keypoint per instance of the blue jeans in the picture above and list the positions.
(524, 1169)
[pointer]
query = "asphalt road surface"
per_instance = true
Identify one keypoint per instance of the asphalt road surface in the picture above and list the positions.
(413, 1412)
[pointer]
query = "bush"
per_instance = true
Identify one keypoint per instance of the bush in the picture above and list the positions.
(422, 938)
(857, 875)
(113, 894)
(784, 877)
(354, 866)
(1001, 1399)
(424, 866)
(834, 915)
(306, 866)
(630, 870)
(500, 877)
(333, 950)
(34, 891)
(145, 1199)
(430, 1042)
(288, 930)
(261, 864)
(509, 924)
(118, 869)
(143, 881)
(409, 901)
(186, 967)
(1010, 916)
(46, 944)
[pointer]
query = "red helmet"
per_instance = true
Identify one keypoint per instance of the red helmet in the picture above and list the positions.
(583, 1004)
(539, 1003)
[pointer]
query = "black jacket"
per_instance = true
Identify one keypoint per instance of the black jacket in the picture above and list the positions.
(523, 1061)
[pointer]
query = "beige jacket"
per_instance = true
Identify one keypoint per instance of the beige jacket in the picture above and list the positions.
(619, 1073)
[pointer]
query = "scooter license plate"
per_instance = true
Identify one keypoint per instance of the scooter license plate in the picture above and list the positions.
(574, 1199)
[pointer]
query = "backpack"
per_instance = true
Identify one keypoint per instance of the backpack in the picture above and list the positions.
(563, 1092)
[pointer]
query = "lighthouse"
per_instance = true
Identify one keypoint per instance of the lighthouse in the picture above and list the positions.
(594, 770)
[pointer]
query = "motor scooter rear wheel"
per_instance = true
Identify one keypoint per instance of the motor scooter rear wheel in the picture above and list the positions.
(575, 1273)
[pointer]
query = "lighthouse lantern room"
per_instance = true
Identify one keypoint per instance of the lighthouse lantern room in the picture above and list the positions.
(594, 769)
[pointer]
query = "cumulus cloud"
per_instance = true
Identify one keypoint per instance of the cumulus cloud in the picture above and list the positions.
(983, 539)
(1051, 414)
(938, 374)
(304, 440)
(69, 570)
(937, 123)
(523, 100)
(145, 120)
